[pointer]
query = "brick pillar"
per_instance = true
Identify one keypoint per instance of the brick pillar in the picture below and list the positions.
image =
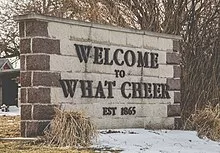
(173, 58)
(36, 77)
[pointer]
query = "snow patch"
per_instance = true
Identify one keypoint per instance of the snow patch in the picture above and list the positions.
(13, 111)
(158, 141)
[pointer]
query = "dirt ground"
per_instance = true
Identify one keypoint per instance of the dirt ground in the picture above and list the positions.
(10, 127)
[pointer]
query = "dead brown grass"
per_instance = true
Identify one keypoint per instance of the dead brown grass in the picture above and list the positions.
(10, 127)
(207, 122)
(15, 147)
(70, 128)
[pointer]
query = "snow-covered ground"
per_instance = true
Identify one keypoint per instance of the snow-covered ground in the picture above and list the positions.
(147, 141)
(156, 141)
(13, 111)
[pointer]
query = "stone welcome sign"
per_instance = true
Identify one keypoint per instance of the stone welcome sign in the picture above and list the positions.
(120, 78)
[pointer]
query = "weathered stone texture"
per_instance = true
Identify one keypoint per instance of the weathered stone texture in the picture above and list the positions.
(43, 112)
(36, 28)
(25, 46)
(46, 79)
(173, 110)
(177, 97)
(173, 58)
(22, 62)
(174, 84)
(23, 95)
(39, 95)
(45, 45)
(21, 29)
(38, 62)
(33, 128)
(176, 46)
(177, 71)
(26, 111)
(178, 123)
(25, 79)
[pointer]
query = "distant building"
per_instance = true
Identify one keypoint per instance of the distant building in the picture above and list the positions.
(8, 83)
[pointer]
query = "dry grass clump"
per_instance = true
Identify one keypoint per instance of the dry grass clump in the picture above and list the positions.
(207, 122)
(9, 126)
(70, 129)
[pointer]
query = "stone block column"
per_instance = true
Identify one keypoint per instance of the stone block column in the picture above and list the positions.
(173, 58)
(36, 78)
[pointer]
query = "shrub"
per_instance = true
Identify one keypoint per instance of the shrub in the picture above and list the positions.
(70, 129)
(207, 122)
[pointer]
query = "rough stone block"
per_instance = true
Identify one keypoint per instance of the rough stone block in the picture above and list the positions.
(26, 111)
(176, 46)
(25, 46)
(39, 95)
(177, 97)
(178, 123)
(33, 128)
(38, 62)
(173, 58)
(36, 28)
(174, 84)
(46, 79)
(25, 79)
(21, 29)
(23, 128)
(43, 112)
(177, 71)
(23, 95)
(44, 45)
(173, 110)
(23, 62)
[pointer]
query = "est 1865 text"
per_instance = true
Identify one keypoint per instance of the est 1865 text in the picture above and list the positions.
(111, 111)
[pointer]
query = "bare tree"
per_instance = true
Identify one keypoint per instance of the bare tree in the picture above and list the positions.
(9, 46)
